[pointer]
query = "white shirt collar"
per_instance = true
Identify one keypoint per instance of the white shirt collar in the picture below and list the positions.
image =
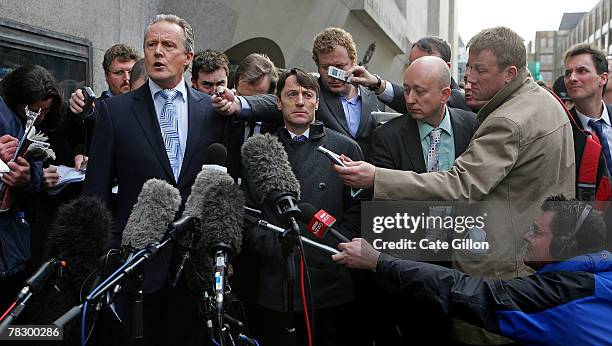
(180, 87)
(585, 119)
(305, 134)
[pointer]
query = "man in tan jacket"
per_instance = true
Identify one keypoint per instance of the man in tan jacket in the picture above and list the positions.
(522, 152)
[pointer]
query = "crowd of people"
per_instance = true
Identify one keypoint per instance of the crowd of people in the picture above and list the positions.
(500, 138)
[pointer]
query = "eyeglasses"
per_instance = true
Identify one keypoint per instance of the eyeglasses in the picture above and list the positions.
(534, 231)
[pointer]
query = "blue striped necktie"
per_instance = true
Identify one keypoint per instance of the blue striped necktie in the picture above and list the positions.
(168, 122)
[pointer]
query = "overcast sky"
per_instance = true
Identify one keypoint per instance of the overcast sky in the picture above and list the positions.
(523, 16)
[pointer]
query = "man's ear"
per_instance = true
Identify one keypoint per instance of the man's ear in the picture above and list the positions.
(446, 93)
(603, 79)
(510, 73)
(278, 104)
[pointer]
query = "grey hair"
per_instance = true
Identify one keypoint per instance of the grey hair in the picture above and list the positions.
(187, 30)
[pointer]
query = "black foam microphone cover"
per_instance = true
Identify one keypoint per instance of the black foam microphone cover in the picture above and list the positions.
(216, 154)
(79, 235)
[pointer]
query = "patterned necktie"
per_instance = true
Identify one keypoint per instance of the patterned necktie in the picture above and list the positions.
(597, 127)
(300, 138)
(433, 164)
(168, 122)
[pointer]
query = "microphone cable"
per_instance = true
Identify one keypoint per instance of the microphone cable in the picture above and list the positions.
(8, 310)
(304, 270)
(304, 304)
(95, 290)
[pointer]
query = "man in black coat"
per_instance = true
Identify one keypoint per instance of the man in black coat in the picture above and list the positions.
(332, 286)
(129, 147)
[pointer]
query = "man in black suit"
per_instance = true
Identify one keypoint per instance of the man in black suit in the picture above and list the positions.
(255, 75)
(586, 78)
(344, 107)
(393, 94)
(402, 143)
(118, 62)
(129, 147)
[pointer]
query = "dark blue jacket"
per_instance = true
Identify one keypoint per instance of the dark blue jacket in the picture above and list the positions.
(14, 232)
(565, 303)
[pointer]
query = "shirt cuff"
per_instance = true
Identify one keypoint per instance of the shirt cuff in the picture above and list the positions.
(245, 113)
(387, 95)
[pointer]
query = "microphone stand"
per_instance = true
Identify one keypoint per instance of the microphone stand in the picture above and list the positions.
(285, 206)
(220, 270)
(32, 286)
(135, 263)
(136, 308)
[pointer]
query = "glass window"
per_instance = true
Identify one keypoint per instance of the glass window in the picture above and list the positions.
(65, 57)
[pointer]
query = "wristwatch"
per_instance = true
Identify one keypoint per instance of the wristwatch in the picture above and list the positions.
(378, 83)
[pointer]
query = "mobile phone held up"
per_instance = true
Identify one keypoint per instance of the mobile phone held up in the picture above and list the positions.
(337, 73)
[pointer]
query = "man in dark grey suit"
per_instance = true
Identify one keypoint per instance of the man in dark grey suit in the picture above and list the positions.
(344, 107)
(161, 130)
(405, 143)
(393, 94)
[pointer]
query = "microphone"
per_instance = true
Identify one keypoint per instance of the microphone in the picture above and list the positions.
(222, 218)
(216, 156)
(319, 222)
(218, 203)
(156, 208)
(271, 178)
(78, 235)
(263, 224)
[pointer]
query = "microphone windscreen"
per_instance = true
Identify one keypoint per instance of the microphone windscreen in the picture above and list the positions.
(218, 203)
(223, 214)
(308, 211)
(155, 209)
(216, 154)
(79, 234)
(267, 164)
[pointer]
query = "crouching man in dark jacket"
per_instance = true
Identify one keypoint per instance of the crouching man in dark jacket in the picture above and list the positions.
(566, 302)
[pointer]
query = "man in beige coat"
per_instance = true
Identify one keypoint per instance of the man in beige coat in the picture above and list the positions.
(523, 151)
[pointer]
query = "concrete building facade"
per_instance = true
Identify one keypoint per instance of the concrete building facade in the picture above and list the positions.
(71, 37)
(545, 44)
